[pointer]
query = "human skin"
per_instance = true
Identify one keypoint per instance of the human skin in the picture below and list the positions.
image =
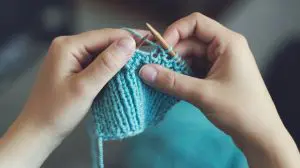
(232, 95)
(63, 92)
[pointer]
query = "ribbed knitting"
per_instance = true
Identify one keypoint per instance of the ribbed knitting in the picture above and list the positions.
(126, 106)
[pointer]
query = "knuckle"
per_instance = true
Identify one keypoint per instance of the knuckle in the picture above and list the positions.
(108, 62)
(61, 42)
(196, 14)
(78, 87)
(234, 40)
(204, 94)
(107, 30)
(58, 41)
(170, 80)
(120, 32)
(239, 38)
(173, 28)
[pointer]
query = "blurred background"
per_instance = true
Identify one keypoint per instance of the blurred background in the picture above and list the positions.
(27, 27)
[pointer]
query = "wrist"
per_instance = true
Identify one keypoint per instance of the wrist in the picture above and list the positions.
(26, 144)
(31, 125)
(270, 150)
(260, 131)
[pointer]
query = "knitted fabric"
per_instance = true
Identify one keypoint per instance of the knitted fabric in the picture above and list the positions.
(126, 106)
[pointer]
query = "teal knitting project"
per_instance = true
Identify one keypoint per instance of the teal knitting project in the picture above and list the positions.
(126, 106)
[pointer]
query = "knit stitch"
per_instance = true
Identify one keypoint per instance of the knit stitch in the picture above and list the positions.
(126, 106)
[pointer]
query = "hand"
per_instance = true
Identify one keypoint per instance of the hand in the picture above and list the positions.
(63, 93)
(232, 95)
(65, 88)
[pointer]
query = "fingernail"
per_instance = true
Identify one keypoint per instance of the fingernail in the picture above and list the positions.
(148, 73)
(127, 44)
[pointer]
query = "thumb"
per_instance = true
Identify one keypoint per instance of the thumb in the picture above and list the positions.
(107, 64)
(170, 82)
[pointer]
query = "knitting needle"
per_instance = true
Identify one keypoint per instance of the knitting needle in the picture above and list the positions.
(142, 41)
(160, 39)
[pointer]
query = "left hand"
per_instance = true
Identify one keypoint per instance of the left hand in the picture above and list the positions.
(63, 93)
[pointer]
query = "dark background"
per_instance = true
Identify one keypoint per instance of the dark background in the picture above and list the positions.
(27, 27)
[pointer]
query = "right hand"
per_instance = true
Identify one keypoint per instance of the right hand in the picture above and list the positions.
(232, 95)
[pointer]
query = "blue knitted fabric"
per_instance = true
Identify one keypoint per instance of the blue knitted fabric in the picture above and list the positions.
(126, 106)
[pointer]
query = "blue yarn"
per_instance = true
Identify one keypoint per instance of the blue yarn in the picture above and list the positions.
(126, 106)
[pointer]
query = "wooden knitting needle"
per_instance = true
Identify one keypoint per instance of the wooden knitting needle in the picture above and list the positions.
(160, 39)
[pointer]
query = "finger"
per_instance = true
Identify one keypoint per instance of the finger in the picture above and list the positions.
(74, 53)
(190, 47)
(107, 64)
(170, 82)
(194, 52)
(196, 24)
(107, 37)
(91, 42)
